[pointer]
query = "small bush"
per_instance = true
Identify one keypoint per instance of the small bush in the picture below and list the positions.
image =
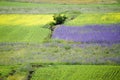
(58, 19)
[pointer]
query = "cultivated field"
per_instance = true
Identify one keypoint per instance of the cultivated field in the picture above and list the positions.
(59, 40)
(100, 34)
(82, 19)
(24, 28)
(74, 72)
(25, 20)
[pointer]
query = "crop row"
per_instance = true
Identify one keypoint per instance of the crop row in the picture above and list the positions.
(89, 34)
(77, 72)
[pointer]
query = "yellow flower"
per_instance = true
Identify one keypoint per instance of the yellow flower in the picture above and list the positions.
(25, 19)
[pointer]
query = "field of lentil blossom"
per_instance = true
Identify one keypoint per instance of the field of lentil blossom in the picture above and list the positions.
(109, 34)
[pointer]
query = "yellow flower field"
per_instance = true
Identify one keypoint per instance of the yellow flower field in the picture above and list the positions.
(88, 19)
(25, 19)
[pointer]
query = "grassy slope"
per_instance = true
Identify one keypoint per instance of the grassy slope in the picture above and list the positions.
(77, 72)
(87, 19)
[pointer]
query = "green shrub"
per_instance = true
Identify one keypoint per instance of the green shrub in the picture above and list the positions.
(59, 19)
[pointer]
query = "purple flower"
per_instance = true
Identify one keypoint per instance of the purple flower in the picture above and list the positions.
(89, 34)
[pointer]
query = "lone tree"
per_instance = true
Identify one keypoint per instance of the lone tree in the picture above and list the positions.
(59, 18)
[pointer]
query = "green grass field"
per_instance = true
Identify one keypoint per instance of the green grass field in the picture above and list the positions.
(33, 34)
(89, 19)
(77, 72)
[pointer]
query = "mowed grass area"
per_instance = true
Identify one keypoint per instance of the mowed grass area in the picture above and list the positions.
(90, 19)
(24, 28)
(77, 72)
(69, 2)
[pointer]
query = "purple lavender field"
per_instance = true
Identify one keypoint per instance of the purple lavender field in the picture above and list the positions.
(109, 34)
